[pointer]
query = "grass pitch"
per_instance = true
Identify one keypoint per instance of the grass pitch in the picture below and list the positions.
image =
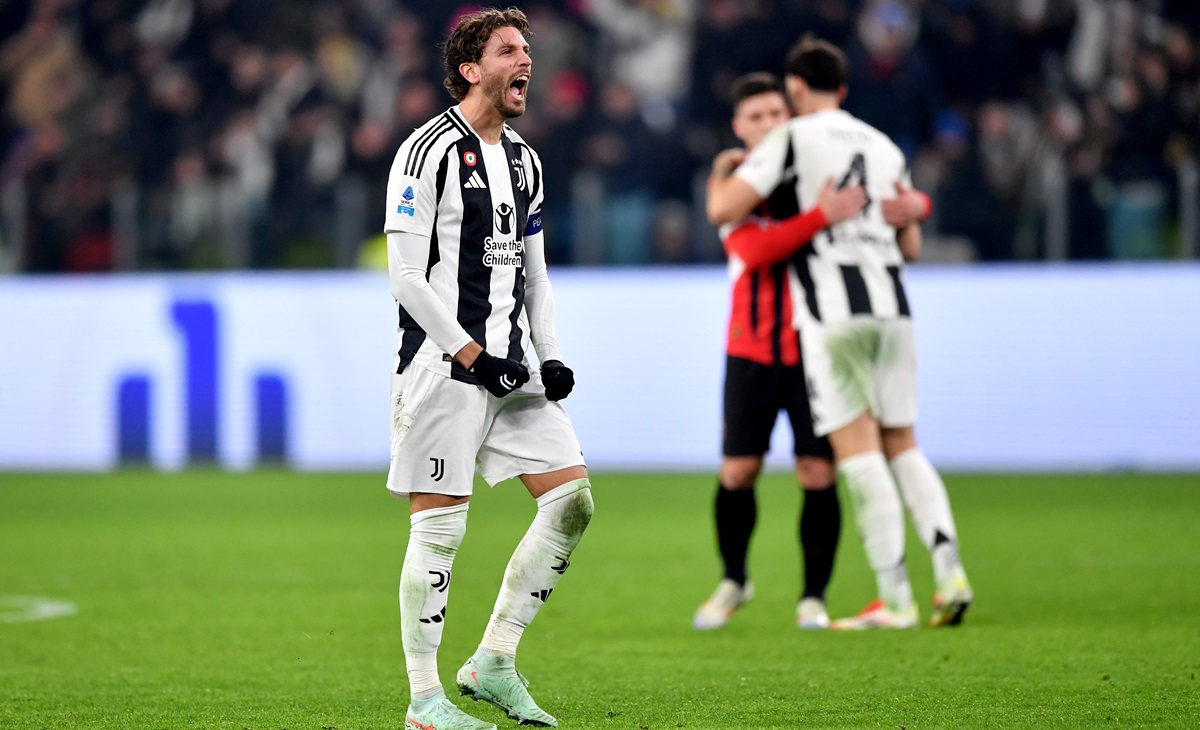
(268, 600)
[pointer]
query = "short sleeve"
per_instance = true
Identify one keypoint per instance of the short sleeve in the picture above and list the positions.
(411, 193)
(764, 167)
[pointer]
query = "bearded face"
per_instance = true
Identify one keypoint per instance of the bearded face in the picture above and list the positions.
(506, 93)
(504, 72)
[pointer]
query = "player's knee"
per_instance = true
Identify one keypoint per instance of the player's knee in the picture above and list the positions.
(740, 473)
(898, 440)
(814, 473)
(441, 527)
(571, 508)
(580, 510)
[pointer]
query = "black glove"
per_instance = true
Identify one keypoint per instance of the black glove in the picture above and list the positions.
(499, 376)
(558, 379)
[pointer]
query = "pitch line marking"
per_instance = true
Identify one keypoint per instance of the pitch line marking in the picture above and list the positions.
(17, 609)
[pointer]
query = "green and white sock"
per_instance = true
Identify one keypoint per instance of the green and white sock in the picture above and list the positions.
(425, 590)
(538, 563)
(880, 518)
(927, 501)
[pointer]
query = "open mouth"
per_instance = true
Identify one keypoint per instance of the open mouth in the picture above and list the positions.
(517, 88)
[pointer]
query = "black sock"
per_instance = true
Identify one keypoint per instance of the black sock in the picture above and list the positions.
(820, 528)
(736, 513)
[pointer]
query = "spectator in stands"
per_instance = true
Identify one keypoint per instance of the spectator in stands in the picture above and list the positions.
(894, 87)
(106, 104)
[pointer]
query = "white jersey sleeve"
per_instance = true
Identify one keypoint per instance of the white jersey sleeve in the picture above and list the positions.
(539, 300)
(412, 212)
(408, 257)
(766, 166)
(411, 188)
(539, 296)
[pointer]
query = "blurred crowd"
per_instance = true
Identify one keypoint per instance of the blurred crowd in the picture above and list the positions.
(204, 134)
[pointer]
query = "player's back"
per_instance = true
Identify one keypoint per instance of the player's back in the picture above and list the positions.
(853, 267)
(835, 144)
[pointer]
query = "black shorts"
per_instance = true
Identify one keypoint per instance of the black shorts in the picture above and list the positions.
(754, 395)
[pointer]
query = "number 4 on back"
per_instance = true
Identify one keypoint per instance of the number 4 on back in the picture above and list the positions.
(857, 175)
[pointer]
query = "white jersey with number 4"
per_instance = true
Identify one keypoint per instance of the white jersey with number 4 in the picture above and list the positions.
(853, 268)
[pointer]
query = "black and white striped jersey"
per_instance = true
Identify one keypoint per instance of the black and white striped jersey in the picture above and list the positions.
(855, 267)
(475, 207)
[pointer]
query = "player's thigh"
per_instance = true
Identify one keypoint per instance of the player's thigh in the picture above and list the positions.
(839, 368)
(752, 400)
(795, 396)
(528, 435)
(437, 426)
(896, 374)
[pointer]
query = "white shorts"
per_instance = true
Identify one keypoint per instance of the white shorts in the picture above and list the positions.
(859, 365)
(442, 427)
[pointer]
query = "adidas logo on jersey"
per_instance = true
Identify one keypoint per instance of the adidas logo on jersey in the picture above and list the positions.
(475, 181)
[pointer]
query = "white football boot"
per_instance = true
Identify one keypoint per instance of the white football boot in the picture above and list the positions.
(878, 616)
(811, 614)
(715, 612)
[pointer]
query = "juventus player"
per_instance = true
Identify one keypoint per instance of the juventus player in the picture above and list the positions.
(856, 332)
(764, 375)
(468, 270)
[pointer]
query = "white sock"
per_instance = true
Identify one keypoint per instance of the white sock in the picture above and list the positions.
(538, 562)
(424, 590)
(880, 518)
(929, 505)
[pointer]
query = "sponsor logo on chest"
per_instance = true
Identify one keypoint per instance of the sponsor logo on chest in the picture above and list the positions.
(504, 249)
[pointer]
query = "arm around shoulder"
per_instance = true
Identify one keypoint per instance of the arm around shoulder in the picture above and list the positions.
(762, 245)
(730, 199)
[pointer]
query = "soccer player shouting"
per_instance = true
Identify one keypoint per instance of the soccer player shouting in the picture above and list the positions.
(468, 270)
(764, 374)
(856, 332)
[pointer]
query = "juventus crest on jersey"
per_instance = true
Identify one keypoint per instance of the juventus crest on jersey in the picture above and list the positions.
(476, 203)
(855, 267)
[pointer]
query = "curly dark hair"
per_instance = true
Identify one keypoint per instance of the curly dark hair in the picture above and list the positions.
(466, 42)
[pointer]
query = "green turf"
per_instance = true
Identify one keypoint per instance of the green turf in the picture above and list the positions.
(268, 600)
